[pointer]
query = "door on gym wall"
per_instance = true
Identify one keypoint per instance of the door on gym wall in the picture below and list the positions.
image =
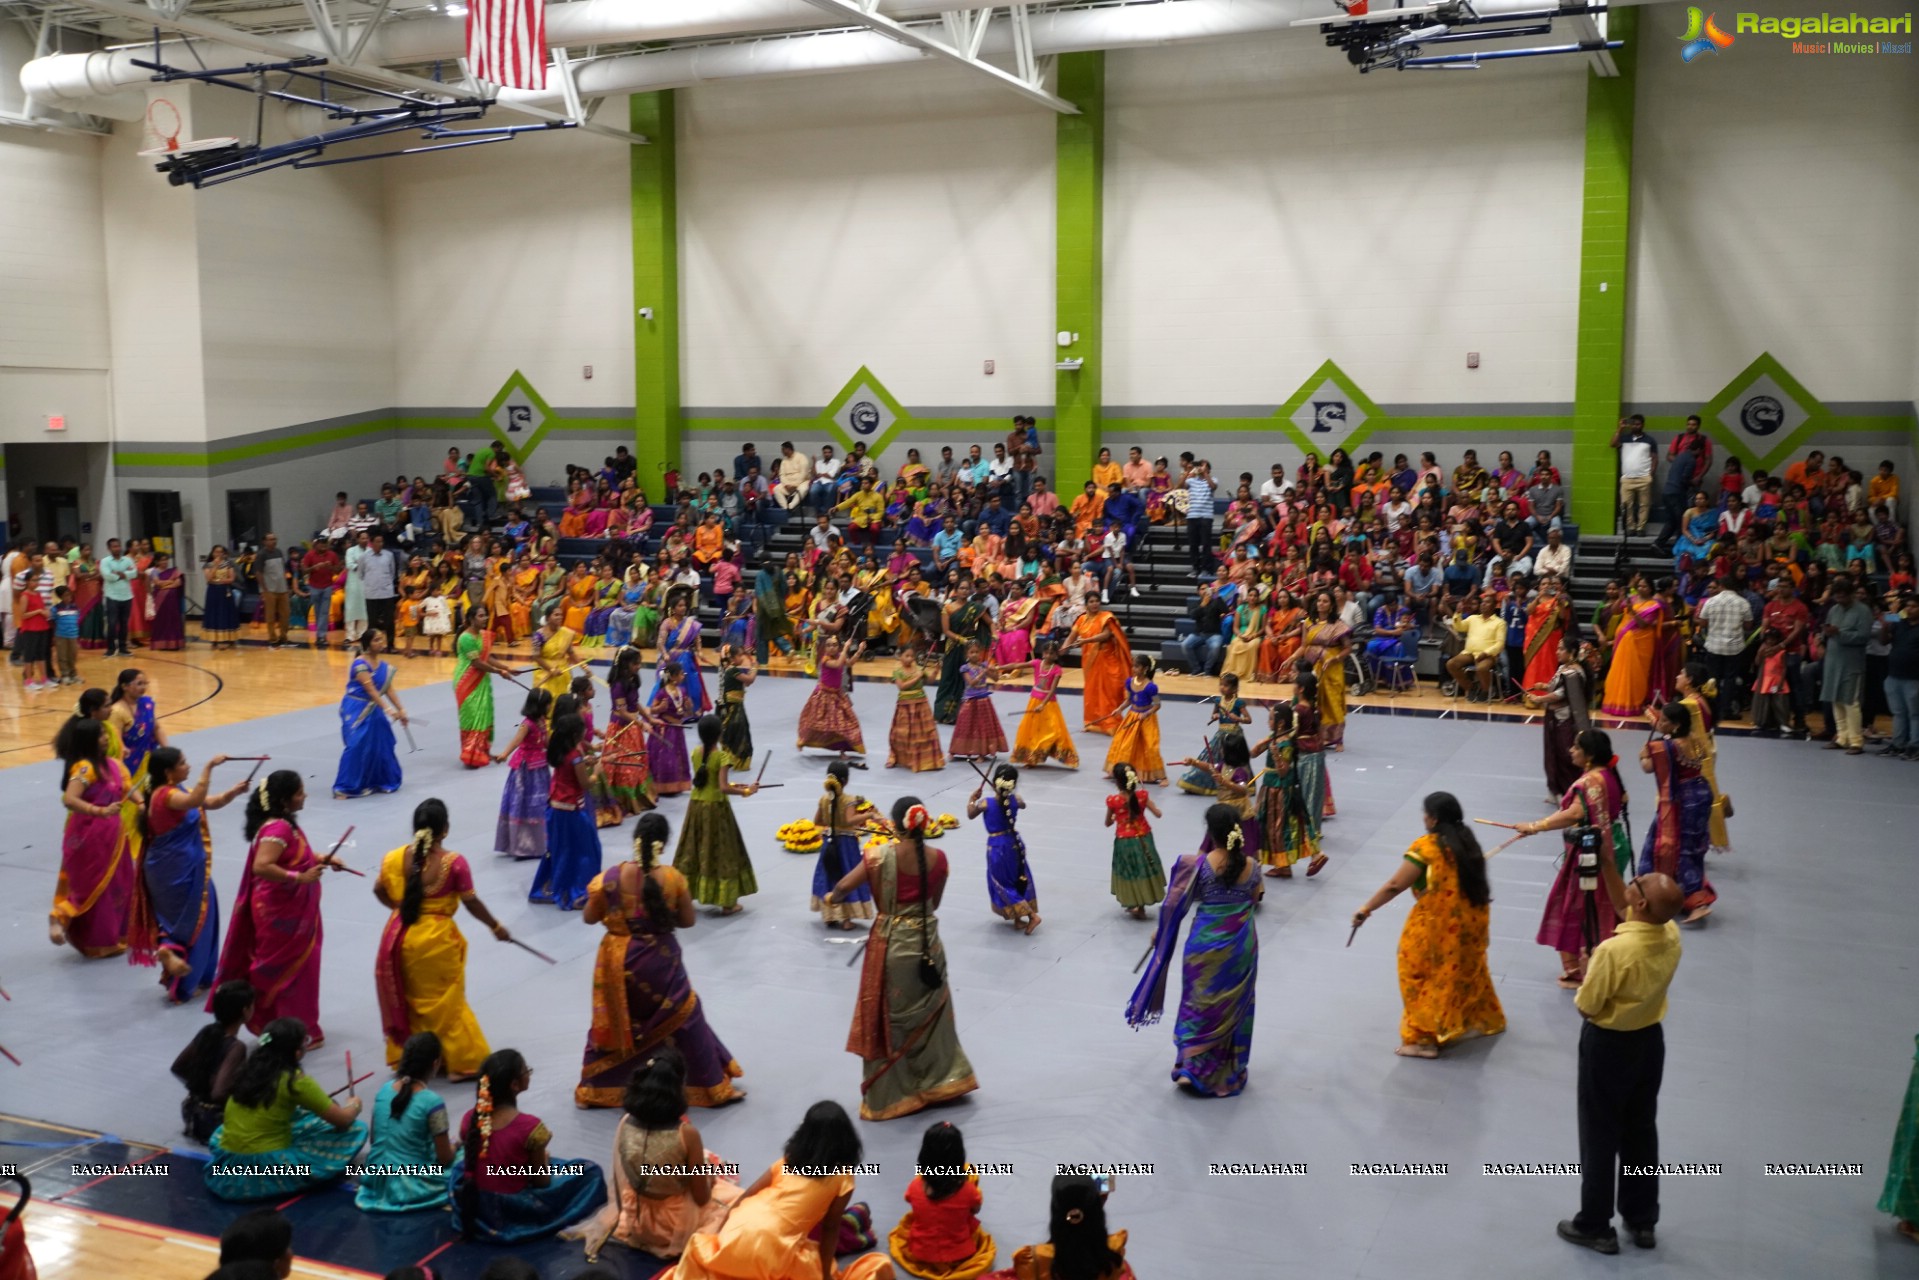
(56, 513)
(249, 514)
(148, 511)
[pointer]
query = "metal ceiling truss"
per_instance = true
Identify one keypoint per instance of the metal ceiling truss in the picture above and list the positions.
(43, 31)
(966, 35)
(367, 74)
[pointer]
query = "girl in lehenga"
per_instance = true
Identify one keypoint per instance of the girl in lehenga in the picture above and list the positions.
(1696, 689)
(521, 832)
(1231, 715)
(275, 938)
(1136, 740)
(1288, 829)
(282, 1134)
(903, 1025)
(712, 853)
(736, 673)
(666, 758)
(369, 761)
(419, 969)
(1139, 878)
(666, 1185)
(572, 841)
(913, 741)
(1042, 733)
(624, 788)
(505, 1185)
(828, 721)
(1213, 1036)
(94, 894)
(977, 734)
(643, 1001)
(838, 816)
(1324, 648)
(1443, 979)
(176, 914)
(1009, 877)
(1680, 834)
(1237, 789)
(409, 1136)
(680, 646)
(1309, 759)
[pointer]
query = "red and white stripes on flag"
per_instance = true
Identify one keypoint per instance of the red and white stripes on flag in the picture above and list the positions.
(506, 42)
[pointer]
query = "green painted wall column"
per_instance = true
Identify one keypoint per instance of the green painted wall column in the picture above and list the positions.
(657, 420)
(1080, 161)
(1599, 381)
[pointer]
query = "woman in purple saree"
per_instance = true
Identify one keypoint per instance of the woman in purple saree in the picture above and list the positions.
(642, 997)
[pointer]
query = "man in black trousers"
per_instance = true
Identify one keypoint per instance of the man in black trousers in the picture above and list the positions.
(1622, 1056)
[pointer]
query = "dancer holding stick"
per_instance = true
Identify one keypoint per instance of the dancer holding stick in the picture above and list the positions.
(1009, 878)
(1592, 813)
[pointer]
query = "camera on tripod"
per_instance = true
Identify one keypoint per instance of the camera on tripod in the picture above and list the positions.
(1586, 846)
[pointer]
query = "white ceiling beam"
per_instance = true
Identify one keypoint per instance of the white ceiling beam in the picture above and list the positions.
(1027, 85)
(206, 29)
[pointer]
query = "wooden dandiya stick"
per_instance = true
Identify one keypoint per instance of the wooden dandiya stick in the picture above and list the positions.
(541, 954)
(10, 1058)
(249, 757)
(350, 1081)
(764, 761)
(1488, 822)
(256, 768)
(341, 865)
(348, 1086)
(1515, 840)
(4, 995)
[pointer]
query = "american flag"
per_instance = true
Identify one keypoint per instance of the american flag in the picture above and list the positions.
(506, 42)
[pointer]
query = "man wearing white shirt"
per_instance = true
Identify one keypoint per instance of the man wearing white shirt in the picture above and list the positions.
(1555, 557)
(1277, 489)
(999, 472)
(1635, 473)
(796, 475)
(826, 470)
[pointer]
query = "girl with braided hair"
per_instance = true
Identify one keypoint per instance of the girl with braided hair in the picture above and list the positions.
(281, 1135)
(1139, 879)
(420, 968)
(275, 939)
(1136, 740)
(903, 1028)
(505, 1186)
(1009, 879)
(712, 853)
(409, 1134)
(1213, 1037)
(838, 815)
(643, 1000)
(572, 856)
(1443, 978)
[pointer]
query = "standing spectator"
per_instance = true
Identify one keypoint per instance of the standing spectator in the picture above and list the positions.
(1688, 458)
(321, 566)
(479, 482)
(1622, 1059)
(1726, 620)
(1635, 473)
(353, 589)
(795, 477)
(1787, 615)
(999, 473)
(747, 458)
(826, 471)
(379, 587)
(270, 568)
(1205, 646)
(1902, 678)
(66, 637)
(1847, 628)
(33, 642)
(1199, 517)
(117, 573)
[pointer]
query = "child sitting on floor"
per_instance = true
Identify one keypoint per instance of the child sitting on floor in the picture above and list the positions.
(940, 1237)
(210, 1064)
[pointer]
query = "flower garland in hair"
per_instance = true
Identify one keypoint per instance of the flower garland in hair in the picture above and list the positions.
(261, 792)
(1131, 778)
(1235, 838)
(916, 820)
(483, 1114)
(1004, 786)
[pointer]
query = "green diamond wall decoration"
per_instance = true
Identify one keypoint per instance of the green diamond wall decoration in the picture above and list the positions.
(864, 412)
(1763, 412)
(519, 417)
(1328, 411)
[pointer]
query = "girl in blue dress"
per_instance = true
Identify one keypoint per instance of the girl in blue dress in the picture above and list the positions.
(409, 1136)
(368, 762)
(838, 815)
(1009, 878)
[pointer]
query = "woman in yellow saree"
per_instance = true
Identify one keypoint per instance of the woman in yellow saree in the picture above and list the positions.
(556, 655)
(525, 579)
(580, 591)
(1324, 645)
(420, 968)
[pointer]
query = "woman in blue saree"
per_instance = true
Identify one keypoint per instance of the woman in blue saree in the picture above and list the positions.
(680, 643)
(1681, 830)
(368, 762)
(1701, 530)
(176, 913)
(1214, 1034)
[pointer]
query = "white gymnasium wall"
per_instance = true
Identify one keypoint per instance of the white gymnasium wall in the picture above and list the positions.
(900, 219)
(1773, 210)
(1267, 208)
(512, 256)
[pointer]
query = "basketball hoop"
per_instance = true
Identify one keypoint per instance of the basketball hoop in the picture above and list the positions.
(163, 122)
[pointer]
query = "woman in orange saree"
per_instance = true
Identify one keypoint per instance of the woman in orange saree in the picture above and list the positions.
(578, 600)
(1629, 679)
(526, 589)
(1546, 623)
(1106, 664)
(1284, 625)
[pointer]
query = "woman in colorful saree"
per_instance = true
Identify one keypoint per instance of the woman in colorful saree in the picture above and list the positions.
(167, 625)
(1443, 980)
(660, 1194)
(92, 897)
(1547, 621)
(282, 1134)
(275, 939)
(1596, 799)
(1285, 622)
(625, 787)
(1697, 689)
(1680, 833)
(1629, 679)
(505, 1184)
(903, 1025)
(1106, 664)
(176, 913)
(1324, 646)
(680, 644)
(410, 1135)
(419, 971)
(473, 672)
(1213, 1038)
(785, 1226)
(964, 620)
(643, 1000)
(368, 760)
(556, 655)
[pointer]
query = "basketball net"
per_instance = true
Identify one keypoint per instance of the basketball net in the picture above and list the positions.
(163, 126)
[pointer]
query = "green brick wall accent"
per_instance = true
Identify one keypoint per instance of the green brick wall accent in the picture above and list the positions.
(1080, 163)
(1599, 380)
(657, 421)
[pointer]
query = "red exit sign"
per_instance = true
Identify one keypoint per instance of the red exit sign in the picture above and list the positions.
(56, 422)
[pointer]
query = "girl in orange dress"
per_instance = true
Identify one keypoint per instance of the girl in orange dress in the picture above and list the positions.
(1443, 979)
(1136, 740)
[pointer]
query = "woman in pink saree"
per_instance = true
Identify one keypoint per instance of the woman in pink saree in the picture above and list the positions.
(274, 941)
(94, 894)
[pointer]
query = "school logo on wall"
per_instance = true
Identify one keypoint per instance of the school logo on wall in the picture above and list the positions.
(863, 417)
(1328, 415)
(1762, 409)
(519, 416)
(864, 412)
